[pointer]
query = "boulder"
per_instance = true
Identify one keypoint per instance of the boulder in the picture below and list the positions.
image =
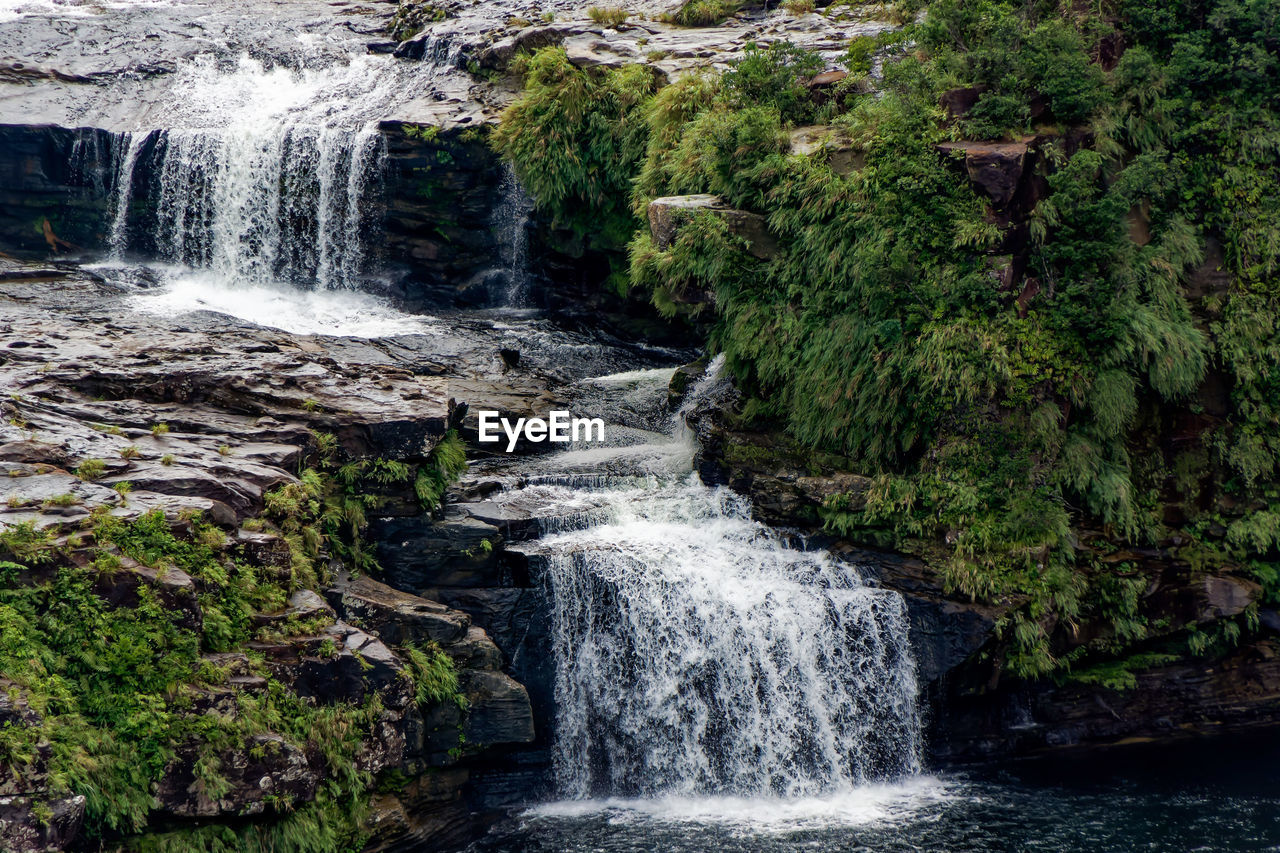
(994, 168)
(667, 213)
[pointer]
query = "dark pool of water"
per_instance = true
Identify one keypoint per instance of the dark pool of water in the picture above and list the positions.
(1220, 794)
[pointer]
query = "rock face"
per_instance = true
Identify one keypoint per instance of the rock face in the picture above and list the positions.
(56, 826)
(1178, 699)
(202, 413)
(667, 213)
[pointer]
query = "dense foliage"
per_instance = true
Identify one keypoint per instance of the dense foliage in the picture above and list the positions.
(122, 691)
(1017, 436)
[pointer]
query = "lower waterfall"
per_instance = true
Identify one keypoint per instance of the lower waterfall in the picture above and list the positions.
(698, 652)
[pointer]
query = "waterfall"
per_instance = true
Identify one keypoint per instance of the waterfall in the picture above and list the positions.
(269, 173)
(698, 652)
(511, 222)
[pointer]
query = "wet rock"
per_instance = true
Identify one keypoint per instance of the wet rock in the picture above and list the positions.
(449, 553)
(31, 824)
(1187, 697)
(667, 213)
(475, 651)
(498, 710)
(427, 813)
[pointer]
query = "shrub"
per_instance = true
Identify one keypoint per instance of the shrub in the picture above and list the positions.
(575, 137)
(91, 469)
(773, 76)
(704, 13)
(609, 16)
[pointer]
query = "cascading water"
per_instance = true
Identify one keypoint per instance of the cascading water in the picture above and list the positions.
(263, 175)
(268, 174)
(511, 221)
(697, 652)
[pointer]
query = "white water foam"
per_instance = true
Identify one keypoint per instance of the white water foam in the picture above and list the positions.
(858, 807)
(342, 313)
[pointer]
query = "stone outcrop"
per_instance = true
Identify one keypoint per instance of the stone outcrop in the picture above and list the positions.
(1185, 698)
(667, 213)
(36, 824)
(840, 152)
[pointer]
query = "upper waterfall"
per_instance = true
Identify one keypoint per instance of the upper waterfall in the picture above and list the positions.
(267, 173)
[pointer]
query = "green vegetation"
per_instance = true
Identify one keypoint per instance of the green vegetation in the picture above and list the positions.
(115, 687)
(575, 138)
(434, 675)
(447, 462)
(124, 691)
(1016, 436)
(411, 16)
(704, 13)
(91, 469)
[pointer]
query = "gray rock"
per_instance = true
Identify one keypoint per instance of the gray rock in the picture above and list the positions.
(397, 617)
(498, 710)
(22, 830)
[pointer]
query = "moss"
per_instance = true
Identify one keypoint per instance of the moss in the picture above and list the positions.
(1121, 674)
